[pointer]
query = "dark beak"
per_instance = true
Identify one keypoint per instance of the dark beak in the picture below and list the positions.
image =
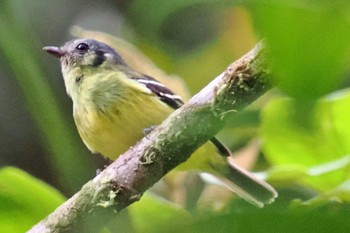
(56, 51)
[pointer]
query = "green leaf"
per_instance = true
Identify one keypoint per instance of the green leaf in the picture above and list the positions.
(242, 218)
(338, 194)
(320, 152)
(309, 44)
(24, 200)
(154, 214)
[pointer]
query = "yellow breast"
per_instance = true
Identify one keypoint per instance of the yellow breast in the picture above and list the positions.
(111, 117)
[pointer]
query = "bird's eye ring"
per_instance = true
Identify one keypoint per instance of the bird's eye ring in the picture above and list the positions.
(82, 47)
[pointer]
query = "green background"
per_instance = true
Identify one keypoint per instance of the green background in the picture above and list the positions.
(302, 125)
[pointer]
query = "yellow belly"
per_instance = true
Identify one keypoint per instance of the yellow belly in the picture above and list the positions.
(113, 131)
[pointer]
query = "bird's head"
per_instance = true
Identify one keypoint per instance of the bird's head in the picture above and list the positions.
(85, 52)
(81, 59)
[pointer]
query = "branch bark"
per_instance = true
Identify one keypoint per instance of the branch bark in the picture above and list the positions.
(170, 144)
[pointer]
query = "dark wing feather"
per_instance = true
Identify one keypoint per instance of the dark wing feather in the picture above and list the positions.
(164, 93)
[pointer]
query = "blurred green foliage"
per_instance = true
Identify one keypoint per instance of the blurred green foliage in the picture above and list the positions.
(304, 127)
(308, 44)
(24, 200)
(324, 143)
(22, 58)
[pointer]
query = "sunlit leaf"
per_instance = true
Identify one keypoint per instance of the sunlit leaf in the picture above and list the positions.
(24, 200)
(322, 149)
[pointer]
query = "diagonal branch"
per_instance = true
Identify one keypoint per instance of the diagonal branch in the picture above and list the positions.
(170, 144)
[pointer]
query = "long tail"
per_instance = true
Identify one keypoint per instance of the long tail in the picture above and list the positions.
(246, 185)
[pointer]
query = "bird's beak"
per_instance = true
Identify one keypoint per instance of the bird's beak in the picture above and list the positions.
(56, 51)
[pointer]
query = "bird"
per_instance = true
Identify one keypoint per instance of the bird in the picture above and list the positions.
(113, 104)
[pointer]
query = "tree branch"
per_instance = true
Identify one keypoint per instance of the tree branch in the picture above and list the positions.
(170, 144)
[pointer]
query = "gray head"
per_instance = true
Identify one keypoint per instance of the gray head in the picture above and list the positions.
(85, 52)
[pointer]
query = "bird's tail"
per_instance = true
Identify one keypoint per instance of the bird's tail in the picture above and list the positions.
(246, 185)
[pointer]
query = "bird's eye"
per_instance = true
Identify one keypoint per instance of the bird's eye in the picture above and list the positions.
(82, 47)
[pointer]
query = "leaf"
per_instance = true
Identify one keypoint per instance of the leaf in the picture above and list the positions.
(24, 200)
(153, 214)
(320, 151)
(338, 194)
(308, 43)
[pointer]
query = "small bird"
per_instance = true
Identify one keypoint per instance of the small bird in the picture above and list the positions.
(113, 104)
